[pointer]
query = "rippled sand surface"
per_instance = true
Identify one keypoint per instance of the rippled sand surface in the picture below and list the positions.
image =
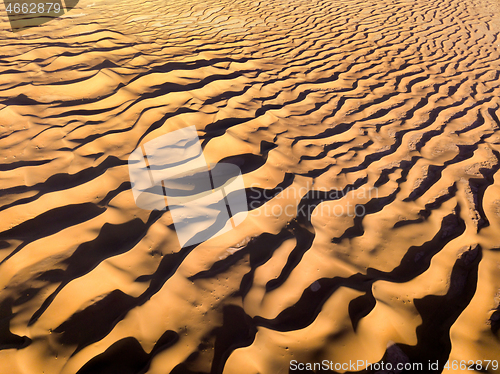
(393, 104)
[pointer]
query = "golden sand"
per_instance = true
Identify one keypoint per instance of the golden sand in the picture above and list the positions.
(394, 103)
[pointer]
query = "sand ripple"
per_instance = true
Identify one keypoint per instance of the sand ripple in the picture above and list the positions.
(393, 104)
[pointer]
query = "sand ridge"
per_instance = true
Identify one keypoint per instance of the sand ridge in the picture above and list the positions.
(394, 104)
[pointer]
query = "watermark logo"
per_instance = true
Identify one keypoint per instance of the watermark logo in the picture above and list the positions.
(204, 200)
(24, 14)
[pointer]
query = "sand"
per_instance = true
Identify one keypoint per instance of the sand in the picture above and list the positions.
(394, 105)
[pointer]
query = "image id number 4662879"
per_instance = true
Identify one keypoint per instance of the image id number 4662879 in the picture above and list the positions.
(478, 365)
(33, 8)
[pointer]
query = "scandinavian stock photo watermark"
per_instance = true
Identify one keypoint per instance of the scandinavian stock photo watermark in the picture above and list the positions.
(396, 367)
(24, 14)
(204, 200)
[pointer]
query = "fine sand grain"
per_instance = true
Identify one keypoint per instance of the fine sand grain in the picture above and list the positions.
(392, 104)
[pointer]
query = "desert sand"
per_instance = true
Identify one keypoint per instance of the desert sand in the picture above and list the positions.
(393, 104)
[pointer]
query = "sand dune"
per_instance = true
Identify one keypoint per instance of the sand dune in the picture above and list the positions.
(390, 107)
